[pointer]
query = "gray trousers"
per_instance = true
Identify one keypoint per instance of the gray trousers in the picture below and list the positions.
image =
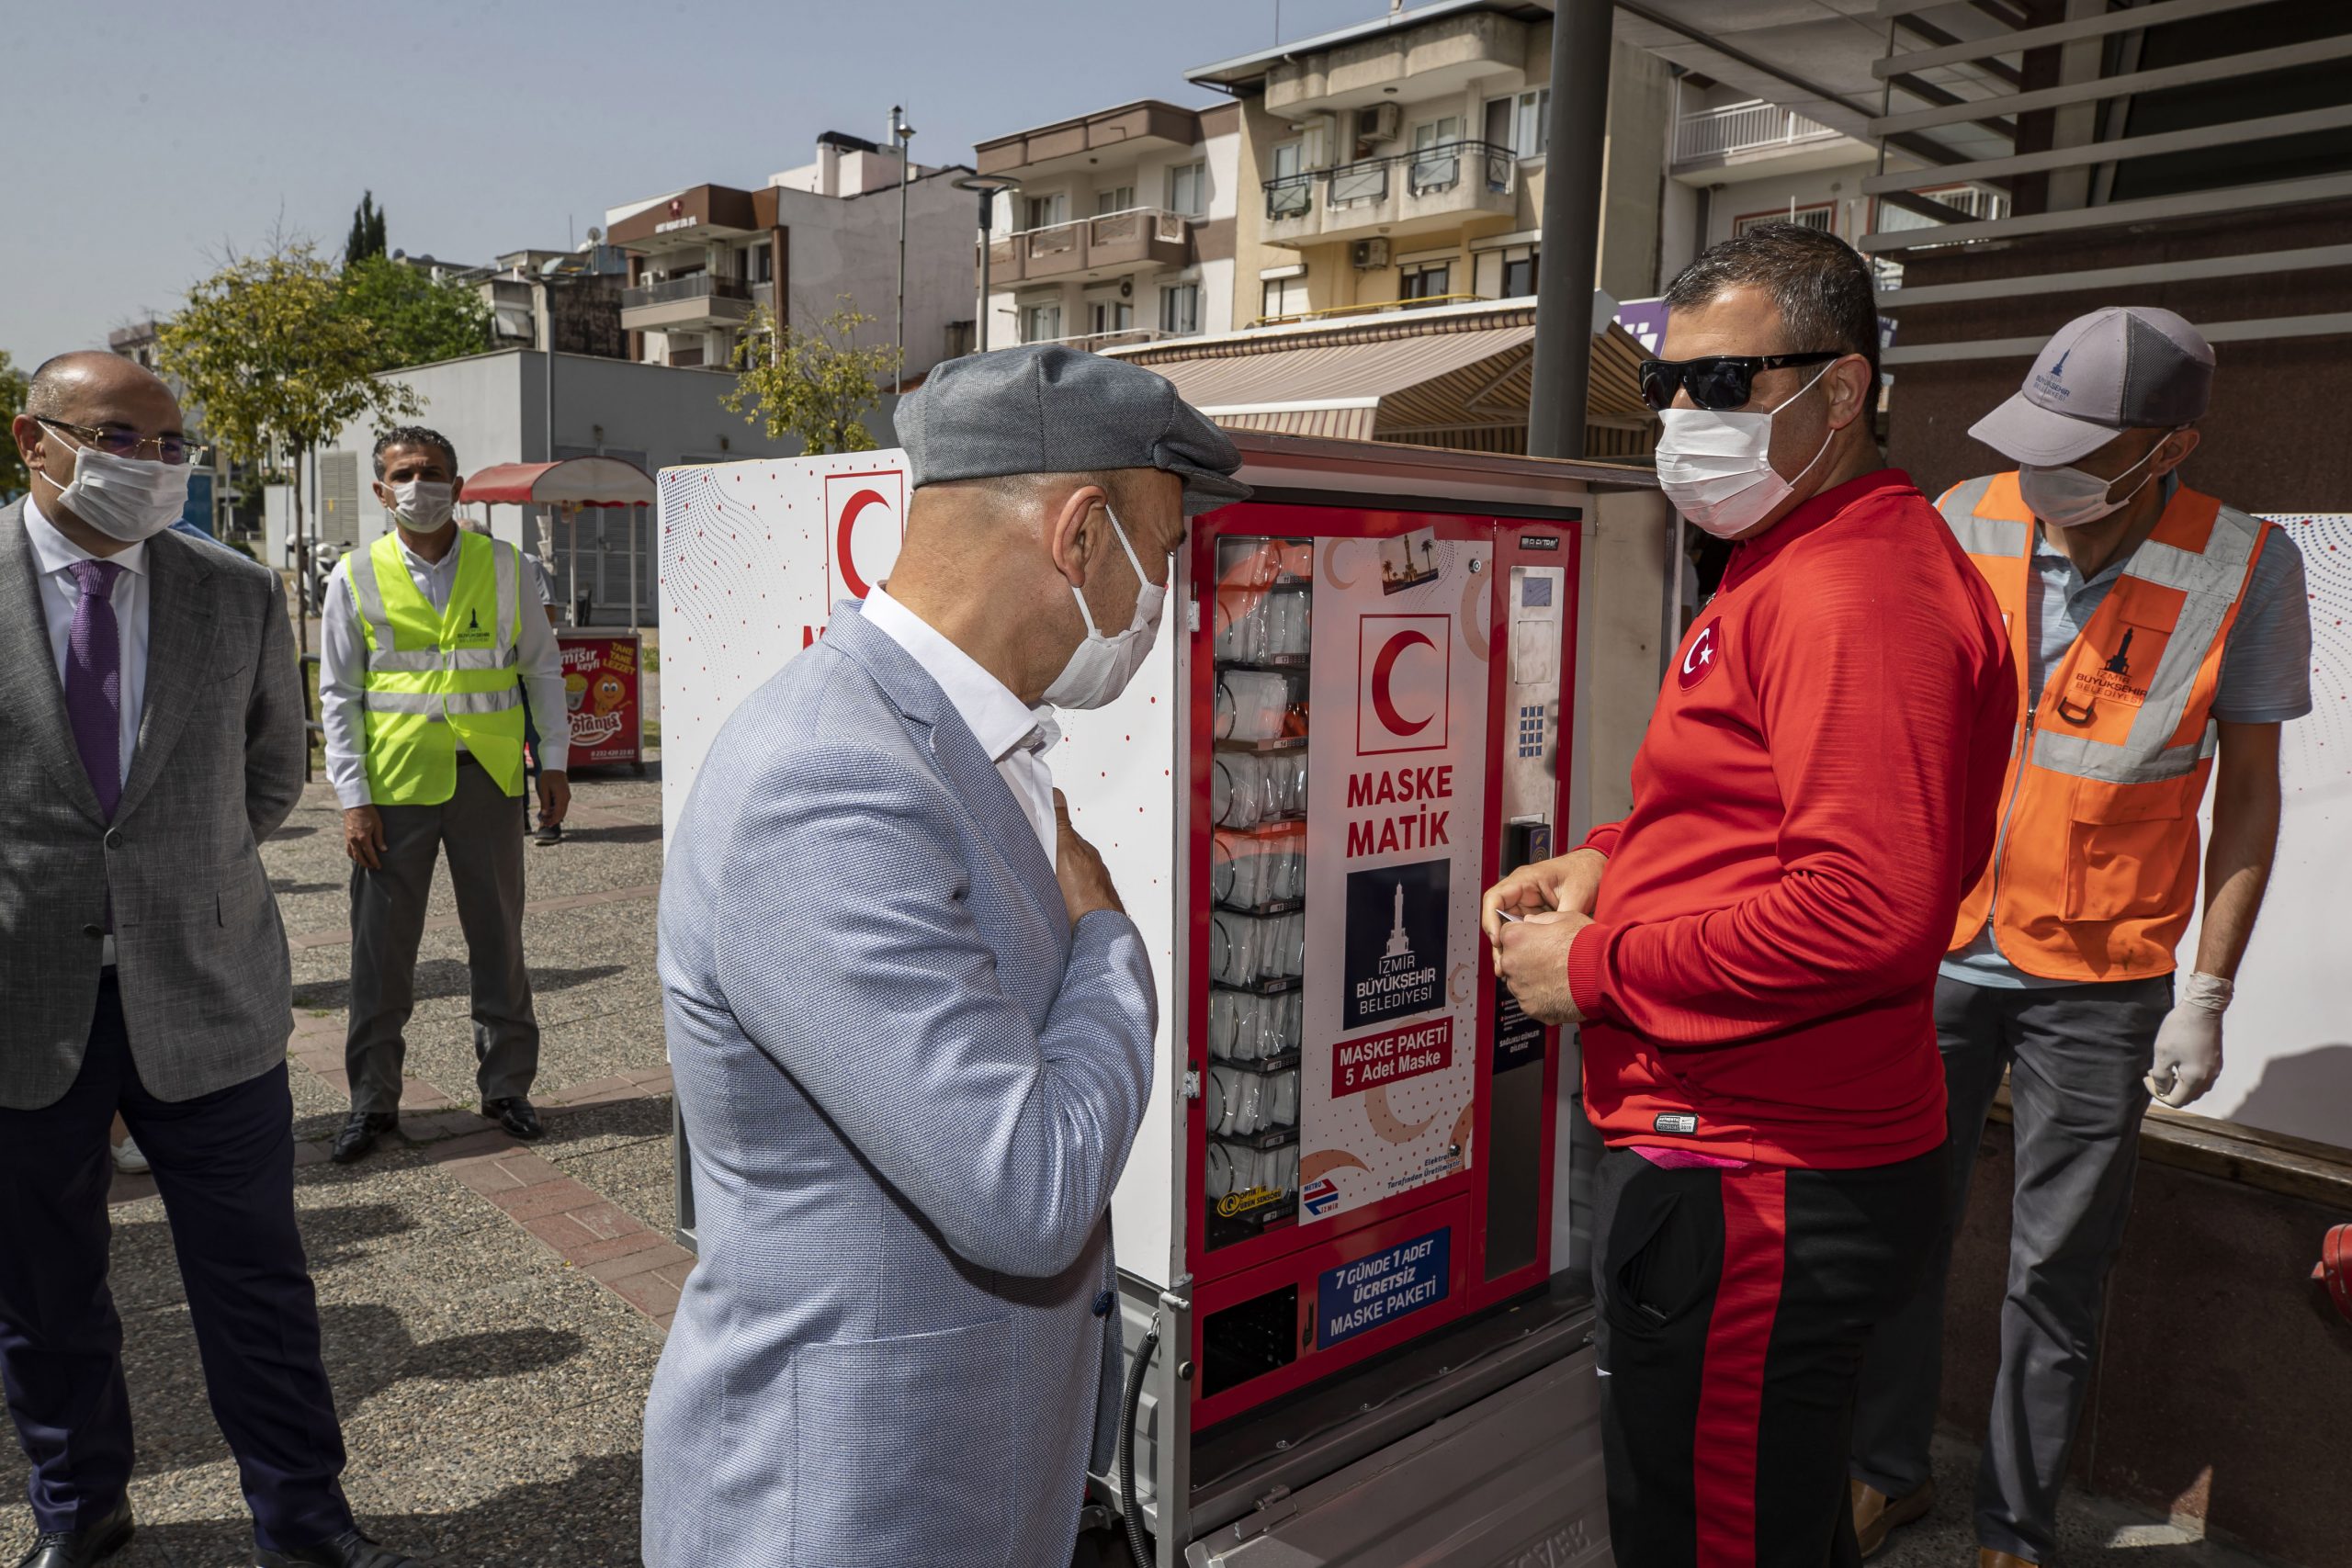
(2075, 1056)
(388, 907)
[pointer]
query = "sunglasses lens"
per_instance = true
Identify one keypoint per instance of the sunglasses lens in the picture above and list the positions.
(1658, 381)
(1726, 384)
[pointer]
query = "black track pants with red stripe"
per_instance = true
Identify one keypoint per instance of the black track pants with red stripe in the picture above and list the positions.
(1734, 1305)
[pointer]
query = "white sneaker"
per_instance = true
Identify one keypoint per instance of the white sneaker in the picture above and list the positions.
(127, 1159)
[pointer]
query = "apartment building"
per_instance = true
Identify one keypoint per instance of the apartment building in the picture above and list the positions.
(1399, 164)
(700, 258)
(1121, 230)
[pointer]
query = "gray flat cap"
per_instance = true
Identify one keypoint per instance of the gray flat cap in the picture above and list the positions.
(1044, 409)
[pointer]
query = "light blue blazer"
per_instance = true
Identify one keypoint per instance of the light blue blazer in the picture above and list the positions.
(909, 1088)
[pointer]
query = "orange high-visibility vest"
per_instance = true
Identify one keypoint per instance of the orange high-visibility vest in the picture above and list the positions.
(2094, 874)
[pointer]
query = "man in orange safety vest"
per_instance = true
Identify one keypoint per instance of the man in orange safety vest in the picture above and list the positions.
(2161, 638)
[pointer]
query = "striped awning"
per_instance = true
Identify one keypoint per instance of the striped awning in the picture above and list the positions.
(1417, 379)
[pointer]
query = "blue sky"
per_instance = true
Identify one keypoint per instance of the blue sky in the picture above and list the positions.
(151, 139)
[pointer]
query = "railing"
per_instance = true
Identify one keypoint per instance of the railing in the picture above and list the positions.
(1751, 126)
(1428, 170)
(1105, 340)
(1372, 308)
(698, 286)
(1137, 223)
(1978, 201)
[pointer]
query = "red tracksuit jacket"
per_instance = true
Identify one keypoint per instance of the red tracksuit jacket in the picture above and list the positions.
(1817, 788)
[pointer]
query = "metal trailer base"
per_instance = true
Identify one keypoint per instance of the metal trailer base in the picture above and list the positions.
(1511, 1481)
(1477, 1445)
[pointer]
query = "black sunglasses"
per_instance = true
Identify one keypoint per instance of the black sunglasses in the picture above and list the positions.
(1719, 382)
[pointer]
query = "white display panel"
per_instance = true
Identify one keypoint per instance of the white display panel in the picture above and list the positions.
(754, 555)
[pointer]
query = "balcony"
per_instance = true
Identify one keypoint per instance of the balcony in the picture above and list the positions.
(1428, 189)
(1743, 132)
(698, 300)
(1091, 249)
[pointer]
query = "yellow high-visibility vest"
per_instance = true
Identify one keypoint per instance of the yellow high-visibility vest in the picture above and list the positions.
(439, 678)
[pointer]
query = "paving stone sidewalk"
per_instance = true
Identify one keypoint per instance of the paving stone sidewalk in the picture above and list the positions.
(493, 1311)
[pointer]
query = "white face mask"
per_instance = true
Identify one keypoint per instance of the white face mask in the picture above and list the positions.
(1717, 466)
(423, 505)
(127, 499)
(2068, 498)
(1100, 667)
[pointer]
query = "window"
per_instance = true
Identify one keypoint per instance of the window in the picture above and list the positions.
(1436, 154)
(1427, 281)
(759, 264)
(1188, 190)
(1045, 211)
(1506, 274)
(1534, 123)
(1118, 199)
(1283, 297)
(1109, 316)
(1180, 309)
(1289, 192)
(1041, 323)
(1821, 215)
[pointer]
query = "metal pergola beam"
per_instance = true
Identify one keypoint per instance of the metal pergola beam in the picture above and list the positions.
(2307, 259)
(1955, 51)
(2253, 62)
(1938, 37)
(2265, 327)
(2335, 118)
(2192, 204)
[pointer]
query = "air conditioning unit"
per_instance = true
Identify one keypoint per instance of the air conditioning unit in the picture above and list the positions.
(1370, 254)
(1380, 122)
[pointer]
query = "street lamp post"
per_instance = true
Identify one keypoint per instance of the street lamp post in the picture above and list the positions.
(988, 187)
(900, 134)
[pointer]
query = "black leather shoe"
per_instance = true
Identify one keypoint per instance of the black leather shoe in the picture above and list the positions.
(360, 1130)
(516, 1115)
(349, 1549)
(91, 1544)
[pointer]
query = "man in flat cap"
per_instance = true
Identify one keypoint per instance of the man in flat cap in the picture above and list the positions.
(910, 1024)
(2162, 637)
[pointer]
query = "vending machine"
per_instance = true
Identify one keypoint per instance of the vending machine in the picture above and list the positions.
(1349, 1232)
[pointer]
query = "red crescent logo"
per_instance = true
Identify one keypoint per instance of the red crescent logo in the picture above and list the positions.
(1383, 667)
(857, 586)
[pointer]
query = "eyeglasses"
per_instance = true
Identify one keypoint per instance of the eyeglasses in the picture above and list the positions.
(170, 449)
(1719, 382)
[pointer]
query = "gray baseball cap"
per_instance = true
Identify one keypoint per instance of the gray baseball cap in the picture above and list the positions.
(2126, 368)
(1044, 409)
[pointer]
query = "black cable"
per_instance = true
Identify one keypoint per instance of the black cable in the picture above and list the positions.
(1130, 1507)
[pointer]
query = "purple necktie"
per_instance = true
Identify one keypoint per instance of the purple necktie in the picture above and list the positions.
(94, 681)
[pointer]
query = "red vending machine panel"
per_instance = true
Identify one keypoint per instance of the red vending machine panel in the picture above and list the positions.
(1376, 712)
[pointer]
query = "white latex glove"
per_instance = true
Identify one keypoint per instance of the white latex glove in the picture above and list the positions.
(2189, 1041)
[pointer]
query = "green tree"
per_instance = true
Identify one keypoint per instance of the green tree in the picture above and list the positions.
(367, 237)
(815, 385)
(268, 350)
(14, 383)
(413, 318)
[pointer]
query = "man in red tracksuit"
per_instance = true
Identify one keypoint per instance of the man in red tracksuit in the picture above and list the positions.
(1752, 952)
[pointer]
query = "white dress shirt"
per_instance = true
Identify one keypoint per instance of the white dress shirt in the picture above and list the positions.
(60, 593)
(342, 676)
(1000, 721)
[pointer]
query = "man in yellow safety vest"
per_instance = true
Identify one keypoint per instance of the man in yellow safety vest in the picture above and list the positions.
(431, 640)
(2161, 638)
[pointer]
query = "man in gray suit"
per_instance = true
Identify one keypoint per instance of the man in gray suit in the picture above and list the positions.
(154, 725)
(910, 1025)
